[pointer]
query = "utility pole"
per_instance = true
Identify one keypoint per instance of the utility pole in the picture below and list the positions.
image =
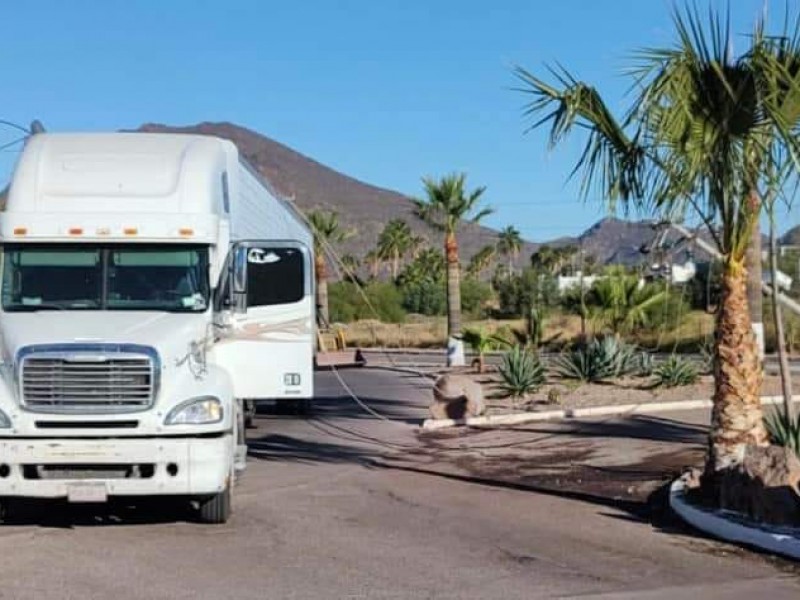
(583, 293)
(755, 301)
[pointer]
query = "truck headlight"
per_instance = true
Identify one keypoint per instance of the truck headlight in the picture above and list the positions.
(5, 422)
(196, 411)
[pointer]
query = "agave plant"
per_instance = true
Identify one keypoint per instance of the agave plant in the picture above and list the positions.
(676, 371)
(707, 355)
(645, 365)
(522, 374)
(598, 360)
(783, 430)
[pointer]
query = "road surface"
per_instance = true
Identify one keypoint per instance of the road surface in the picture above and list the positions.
(348, 505)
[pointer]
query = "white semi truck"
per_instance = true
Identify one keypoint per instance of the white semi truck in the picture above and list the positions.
(151, 284)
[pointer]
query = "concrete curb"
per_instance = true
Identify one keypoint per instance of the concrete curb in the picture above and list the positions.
(577, 413)
(778, 540)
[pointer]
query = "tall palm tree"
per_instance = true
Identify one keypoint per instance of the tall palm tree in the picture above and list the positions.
(374, 260)
(446, 205)
(509, 244)
(327, 231)
(394, 242)
(703, 131)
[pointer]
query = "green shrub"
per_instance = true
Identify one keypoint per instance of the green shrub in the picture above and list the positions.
(424, 297)
(597, 360)
(347, 303)
(783, 431)
(522, 373)
(474, 295)
(676, 371)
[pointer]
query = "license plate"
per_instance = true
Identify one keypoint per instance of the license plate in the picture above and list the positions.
(87, 492)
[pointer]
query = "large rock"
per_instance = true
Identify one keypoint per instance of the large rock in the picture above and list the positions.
(457, 397)
(765, 485)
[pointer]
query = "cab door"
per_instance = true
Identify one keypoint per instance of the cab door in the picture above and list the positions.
(266, 321)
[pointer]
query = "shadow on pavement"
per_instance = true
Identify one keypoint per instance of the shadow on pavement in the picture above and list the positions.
(60, 514)
(639, 427)
(279, 447)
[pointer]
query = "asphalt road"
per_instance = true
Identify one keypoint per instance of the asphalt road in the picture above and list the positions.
(346, 505)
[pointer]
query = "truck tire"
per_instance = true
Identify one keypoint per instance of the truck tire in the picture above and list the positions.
(249, 412)
(303, 407)
(215, 509)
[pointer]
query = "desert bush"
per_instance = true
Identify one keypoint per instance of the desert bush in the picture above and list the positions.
(676, 371)
(522, 373)
(424, 297)
(517, 293)
(783, 430)
(597, 360)
(474, 296)
(347, 303)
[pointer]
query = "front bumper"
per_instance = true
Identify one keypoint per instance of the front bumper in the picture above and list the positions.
(203, 466)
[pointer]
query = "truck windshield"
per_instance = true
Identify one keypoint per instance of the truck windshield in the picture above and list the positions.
(107, 277)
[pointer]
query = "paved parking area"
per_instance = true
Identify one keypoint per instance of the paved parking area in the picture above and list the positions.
(347, 505)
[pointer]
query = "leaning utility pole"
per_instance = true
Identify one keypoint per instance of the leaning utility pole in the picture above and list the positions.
(755, 301)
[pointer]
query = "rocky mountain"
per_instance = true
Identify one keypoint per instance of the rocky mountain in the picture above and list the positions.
(363, 208)
(791, 237)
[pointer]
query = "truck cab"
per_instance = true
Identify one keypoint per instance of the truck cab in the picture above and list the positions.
(150, 285)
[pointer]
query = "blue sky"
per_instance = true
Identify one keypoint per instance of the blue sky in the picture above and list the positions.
(384, 90)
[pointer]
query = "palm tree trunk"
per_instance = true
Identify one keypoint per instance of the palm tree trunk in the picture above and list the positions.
(453, 302)
(322, 290)
(736, 418)
(777, 313)
(395, 265)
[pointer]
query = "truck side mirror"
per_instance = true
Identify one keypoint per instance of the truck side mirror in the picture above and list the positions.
(240, 271)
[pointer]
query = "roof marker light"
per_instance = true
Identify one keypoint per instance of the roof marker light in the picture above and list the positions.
(20, 231)
(186, 231)
(130, 231)
(103, 231)
(75, 231)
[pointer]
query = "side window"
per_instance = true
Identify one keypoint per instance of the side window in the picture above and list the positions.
(275, 276)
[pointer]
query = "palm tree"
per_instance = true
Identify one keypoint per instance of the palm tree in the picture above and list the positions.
(509, 243)
(703, 131)
(374, 260)
(350, 266)
(619, 301)
(394, 242)
(447, 203)
(327, 231)
(481, 260)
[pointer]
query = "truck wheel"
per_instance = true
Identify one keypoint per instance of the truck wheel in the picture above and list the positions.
(249, 412)
(216, 509)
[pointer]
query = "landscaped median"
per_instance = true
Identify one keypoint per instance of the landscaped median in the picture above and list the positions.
(651, 405)
(733, 527)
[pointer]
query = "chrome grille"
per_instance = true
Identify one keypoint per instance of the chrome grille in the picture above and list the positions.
(117, 382)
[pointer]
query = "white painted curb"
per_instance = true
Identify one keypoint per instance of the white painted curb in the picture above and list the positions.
(576, 413)
(779, 540)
